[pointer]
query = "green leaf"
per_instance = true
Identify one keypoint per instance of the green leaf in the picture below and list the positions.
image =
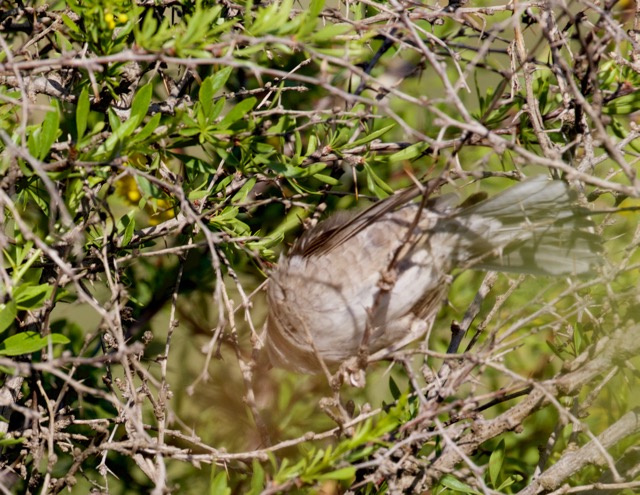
(71, 25)
(330, 31)
(393, 388)
(114, 121)
(129, 227)
(49, 133)
(237, 112)
(9, 442)
(29, 342)
(122, 131)
(375, 183)
(140, 104)
(74, 194)
(508, 482)
(315, 7)
(33, 142)
(147, 130)
(271, 18)
(197, 26)
(577, 339)
(8, 313)
(29, 296)
(218, 484)
(82, 112)
(147, 188)
(205, 96)
(148, 30)
(370, 137)
(217, 108)
(219, 79)
(327, 179)
(556, 350)
(307, 22)
(455, 484)
(198, 195)
(624, 105)
(241, 195)
(346, 473)
(495, 463)
(257, 478)
(22, 273)
(409, 152)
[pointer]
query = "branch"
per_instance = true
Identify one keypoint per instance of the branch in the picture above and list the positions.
(622, 345)
(571, 462)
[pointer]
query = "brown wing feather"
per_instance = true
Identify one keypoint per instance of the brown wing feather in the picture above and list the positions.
(341, 227)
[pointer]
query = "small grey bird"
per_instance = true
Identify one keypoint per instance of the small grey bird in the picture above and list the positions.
(387, 269)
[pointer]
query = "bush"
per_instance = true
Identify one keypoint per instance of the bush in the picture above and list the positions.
(156, 156)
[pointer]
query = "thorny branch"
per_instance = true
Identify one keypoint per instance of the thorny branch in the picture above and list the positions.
(165, 351)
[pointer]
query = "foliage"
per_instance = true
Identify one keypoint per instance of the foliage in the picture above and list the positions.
(156, 157)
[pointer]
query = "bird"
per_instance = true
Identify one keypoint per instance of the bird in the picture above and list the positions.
(377, 278)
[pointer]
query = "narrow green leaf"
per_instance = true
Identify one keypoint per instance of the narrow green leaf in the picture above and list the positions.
(217, 108)
(74, 194)
(218, 484)
(219, 79)
(579, 343)
(49, 133)
(71, 25)
(330, 31)
(8, 313)
(312, 145)
(237, 112)
(33, 142)
(346, 473)
(241, 195)
(393, 388)
(114, 121)
(198, 195)
(495, 463)
(380, 187)
(63, 42)
(555, 349)
(32, 296)
(507, 483)
(257, 478)
(129, 226)
(315, 7)
(147, 130)
(9, 442)
(327, 179)
(147, 188)
(227, 215)
(409, 153)
(197, 25)
(82, 112)
(140, 104)
(205, 96)
(370, 137)
(29, 342)
(455, 484)
(624, 105)
(307, 22)
(22, 273)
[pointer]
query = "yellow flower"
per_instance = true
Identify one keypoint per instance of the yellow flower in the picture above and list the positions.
(127, 188)
(163, 211)
(110, 20)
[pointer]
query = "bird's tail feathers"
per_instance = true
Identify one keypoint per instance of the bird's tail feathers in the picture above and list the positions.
(533, 227)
